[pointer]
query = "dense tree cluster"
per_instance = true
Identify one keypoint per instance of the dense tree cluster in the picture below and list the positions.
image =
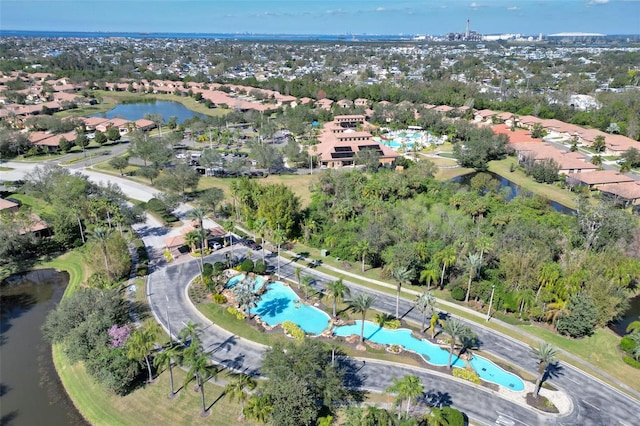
(473, 238)
(81, 324)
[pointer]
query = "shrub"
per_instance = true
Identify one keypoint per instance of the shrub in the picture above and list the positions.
(207, 269)
(219, 298)
(627, 344)
(260, 267)
(233, 311)
(632, 362)
(465, 374)
(219, 267)
(168, 255)
(581, 319)
(293, 330)
(392, 324)
(458, 294)
(247, 265)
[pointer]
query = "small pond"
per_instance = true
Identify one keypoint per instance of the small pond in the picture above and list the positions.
(31, 391)
(514, 189)
(136, 111)
(630, 315)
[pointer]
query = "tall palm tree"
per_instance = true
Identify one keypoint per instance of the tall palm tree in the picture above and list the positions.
(165, 359)
(192, 239)
(298, 275)
(456, 330)
(199, 215)
(236, 388)
(429, 275)
(361, 304)
(402, 275)
(447, 257)
(546, 355)
(102, 236)
(362, 248)
(407, 388)
(425, 304)
(306, 285)
(337, 290)
(229, 226)
(140, 344)
(260, 225)
(199, 370)
(190, 334)
(474, 262)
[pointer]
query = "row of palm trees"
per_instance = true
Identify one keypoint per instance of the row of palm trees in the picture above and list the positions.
(188, 352)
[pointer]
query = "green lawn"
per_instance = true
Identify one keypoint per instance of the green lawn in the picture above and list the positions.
(148, 404)
(600, 349)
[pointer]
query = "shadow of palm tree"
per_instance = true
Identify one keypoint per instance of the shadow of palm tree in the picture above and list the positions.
(273, 307)
(225, 345)
(553, 370)
(437, 399)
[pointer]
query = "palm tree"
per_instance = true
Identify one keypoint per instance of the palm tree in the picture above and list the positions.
(337, 290)
(190, 334)
(102, 235)
(484, 243)
(526, 298)
(447, 257)
(596, 160)
(260, 225)
(140, 344)
(192, 239)
(435, 319)
(199, 215)
(425, 304)
(408, 387)
(245, 296)
(546, 355)
(400, 274)
(361, 249)
(456, 330)
(436, 417)
(474, 262)
(306, 285)
(229, 226)
(298, 273)
(429, 275)
(235, 389)
(361, 304)
(556, 309)
(165, 359)
(199, 370)
(258, 408)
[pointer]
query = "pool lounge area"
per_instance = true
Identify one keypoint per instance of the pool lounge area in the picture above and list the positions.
(431, 353)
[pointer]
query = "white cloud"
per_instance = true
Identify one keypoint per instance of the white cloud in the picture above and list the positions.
(513, 8)
(599, 2)
(380, 9)
(474, 5)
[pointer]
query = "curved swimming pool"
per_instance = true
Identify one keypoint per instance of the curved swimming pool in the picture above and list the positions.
(279, 304)
(433, 354)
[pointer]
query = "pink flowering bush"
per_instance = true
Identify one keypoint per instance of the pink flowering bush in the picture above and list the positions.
(119, 335)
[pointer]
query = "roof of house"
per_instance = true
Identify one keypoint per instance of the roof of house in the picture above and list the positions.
(516, 136)
(174, 242)
(6, 204)
(626, 190)
(600, 177)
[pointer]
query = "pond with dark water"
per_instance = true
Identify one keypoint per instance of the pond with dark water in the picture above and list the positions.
(136, 111)
(31, 391)
(514, 189)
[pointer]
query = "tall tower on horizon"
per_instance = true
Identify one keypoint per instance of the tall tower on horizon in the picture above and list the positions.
(466, 34)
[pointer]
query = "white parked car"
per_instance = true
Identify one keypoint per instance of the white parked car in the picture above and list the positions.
(216, 246)
(181, 156)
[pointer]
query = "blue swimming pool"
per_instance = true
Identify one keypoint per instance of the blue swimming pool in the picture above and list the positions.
(279, 304)
(236, 279)
(431, 353)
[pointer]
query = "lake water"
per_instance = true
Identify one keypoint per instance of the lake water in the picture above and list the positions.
(139, 110)
(631, 314)
(514, 189)
(31, 391)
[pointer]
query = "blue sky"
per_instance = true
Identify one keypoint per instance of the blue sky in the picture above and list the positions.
(324, 17)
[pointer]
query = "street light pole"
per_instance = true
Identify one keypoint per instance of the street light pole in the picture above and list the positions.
(278, 249)
(168, 321)
(493, 288)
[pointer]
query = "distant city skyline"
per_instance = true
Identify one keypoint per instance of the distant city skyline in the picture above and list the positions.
(435, 17)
